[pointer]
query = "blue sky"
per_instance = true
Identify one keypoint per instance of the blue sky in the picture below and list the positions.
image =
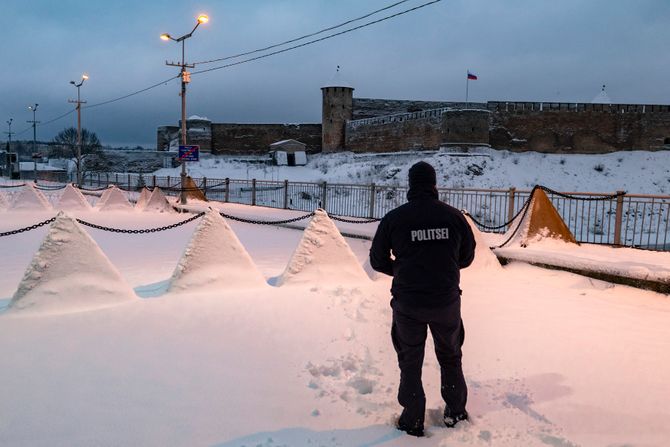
(520, 49)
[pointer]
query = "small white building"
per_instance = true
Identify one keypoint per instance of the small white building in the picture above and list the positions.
(288, 153)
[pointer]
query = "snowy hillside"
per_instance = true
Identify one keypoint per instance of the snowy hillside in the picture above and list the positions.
(638, 172)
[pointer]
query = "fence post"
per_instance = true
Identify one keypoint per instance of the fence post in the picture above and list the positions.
(107, 177)
(153, 182)
(618, 218)
(371, 213)
(116, 178)
(253, 192)
(285, 194)
(204, 186)
(227, 195)
(168, 182)
(324, 191)
(510, 204)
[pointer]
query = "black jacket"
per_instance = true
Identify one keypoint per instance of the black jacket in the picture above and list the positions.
(430, 241)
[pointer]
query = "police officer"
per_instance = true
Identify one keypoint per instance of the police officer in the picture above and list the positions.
(423, 244)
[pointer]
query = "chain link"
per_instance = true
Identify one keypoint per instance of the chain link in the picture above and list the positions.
(353, 221)
(32, 227)
(587, 199)
(141, 231)
(266, 222)
(49, 188)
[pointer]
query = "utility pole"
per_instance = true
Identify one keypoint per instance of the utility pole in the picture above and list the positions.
(9, 148)
(185, 79)
(34, 122)
(79, 102)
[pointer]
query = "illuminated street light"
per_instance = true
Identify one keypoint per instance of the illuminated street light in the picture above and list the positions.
(185, 79)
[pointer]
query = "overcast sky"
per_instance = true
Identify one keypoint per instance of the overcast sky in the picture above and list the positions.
(524, 50)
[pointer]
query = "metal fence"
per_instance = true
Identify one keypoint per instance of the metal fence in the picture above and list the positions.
(633, 220)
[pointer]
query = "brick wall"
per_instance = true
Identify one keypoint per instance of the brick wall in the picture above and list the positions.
(256, 138)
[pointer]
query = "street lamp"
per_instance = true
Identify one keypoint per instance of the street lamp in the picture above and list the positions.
(34, 122)
(79, 102)
(185, 79)
(9, 148)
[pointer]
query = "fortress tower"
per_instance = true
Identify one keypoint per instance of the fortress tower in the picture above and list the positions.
(338, 98)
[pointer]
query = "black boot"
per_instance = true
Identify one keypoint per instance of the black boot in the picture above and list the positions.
(450, 420)
(414, 428)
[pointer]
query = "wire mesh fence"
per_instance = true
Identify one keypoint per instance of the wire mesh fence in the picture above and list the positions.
(630, 220)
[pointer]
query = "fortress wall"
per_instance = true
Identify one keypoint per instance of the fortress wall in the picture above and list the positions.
(573, 131)
(256, 138)
(370, 108)
(418, 131)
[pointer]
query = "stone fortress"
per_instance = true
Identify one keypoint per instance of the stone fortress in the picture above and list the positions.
(384, 125)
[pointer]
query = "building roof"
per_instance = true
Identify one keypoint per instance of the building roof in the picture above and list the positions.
(283, 142)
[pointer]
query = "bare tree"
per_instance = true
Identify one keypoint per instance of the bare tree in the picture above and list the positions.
(65, 146)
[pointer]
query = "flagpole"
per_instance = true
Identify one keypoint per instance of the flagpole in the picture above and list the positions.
(467, 85)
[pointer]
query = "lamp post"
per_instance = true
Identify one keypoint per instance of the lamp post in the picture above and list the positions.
(9, 148)
(34, 122)
(79, 102)
(185, 79)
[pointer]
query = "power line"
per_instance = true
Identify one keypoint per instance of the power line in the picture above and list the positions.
(330, 28)
(158, 84)
(284, 50)
(59, 117)
(330, 36)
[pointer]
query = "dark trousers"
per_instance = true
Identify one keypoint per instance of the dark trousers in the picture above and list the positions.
(409, 333)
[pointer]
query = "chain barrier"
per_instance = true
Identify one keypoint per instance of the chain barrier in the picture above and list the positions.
(266, 222)
(96, 189)
(523, 216)
(353, 221)
(32, 227)
(50, 188)
(499, 227)
(13, 186)
(586, 199)
(142, 231)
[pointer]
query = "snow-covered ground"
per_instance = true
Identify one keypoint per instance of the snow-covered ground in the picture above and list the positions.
(551, 358)
(637, 172)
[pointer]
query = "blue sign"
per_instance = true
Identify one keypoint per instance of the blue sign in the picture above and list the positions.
(189, 153)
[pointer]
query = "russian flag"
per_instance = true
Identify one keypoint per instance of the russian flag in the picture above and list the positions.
(472, 76)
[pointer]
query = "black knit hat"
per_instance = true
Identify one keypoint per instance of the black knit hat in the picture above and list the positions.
(422, 173)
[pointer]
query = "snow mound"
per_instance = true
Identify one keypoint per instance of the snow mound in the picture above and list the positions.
(323, 256)
(69, 273)
(73, 199)
(485, 259)
(31, 199)
(143, 199)
(105, 195)
(4, 204)
(116, 200)
(158, 202)
(215, 259)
